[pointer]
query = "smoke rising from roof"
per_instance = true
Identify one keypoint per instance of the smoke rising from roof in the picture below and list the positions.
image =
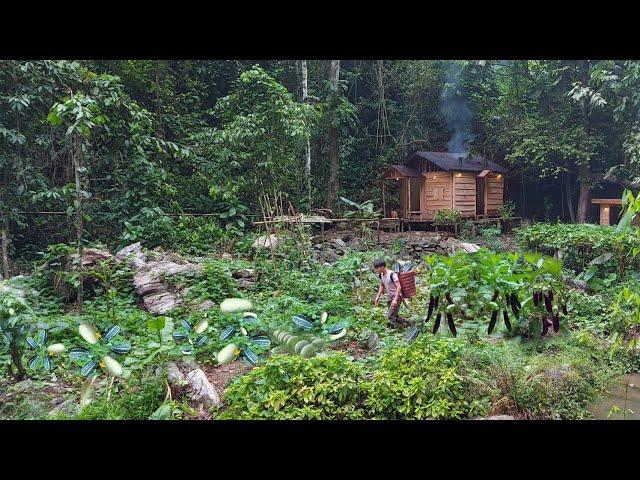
(454, 107)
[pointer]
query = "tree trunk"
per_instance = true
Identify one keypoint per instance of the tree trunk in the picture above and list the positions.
(307, 156)
(585, 194)
(77, 160)
(16, 358)
(584, 171)
(569, 197)
(334, 155)
(5, 248)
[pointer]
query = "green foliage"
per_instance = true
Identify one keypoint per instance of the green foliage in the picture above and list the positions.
(137, 400)
(292, 387)
(447, 217)
(507, 209)
(421, 381)
(581, 244)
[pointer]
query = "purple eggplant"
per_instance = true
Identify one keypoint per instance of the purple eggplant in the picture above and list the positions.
(564, 308)
(436, 325)
(492, 323)
(430, 312)
(452, 326)
(505, 315)
(547, 302)
(545, 325)
(550, 295)
(536, 299)
(556, 323)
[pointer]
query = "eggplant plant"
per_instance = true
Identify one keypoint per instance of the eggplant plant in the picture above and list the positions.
(489, 285)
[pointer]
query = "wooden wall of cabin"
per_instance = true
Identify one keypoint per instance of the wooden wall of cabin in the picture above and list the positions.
(437, 192)
(464, 193)
(494, 196)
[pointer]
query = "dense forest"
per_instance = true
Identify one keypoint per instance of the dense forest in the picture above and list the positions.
(155, 138)
(201, 239)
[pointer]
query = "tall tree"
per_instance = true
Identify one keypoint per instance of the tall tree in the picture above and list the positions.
(334, 152)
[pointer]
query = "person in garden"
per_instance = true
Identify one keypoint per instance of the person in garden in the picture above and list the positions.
(390, 282)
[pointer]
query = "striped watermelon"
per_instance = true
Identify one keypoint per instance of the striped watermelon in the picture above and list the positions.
(227, 333)
(178, 335)
(88, 368)
(41, 337)
(120, 348)
(412, 334)
(112, 332)
(186, 325)
(261, 341)
(333, 329)
(302, 322)
(78, 353)
(32, 343)
(250, 355)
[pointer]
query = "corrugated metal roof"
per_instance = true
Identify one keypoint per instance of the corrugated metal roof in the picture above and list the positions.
(459, 162)
(406, 170)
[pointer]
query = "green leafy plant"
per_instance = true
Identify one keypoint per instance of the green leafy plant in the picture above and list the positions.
(43, 351)
(291, 387)
(447, 217)
(421, 381)
(507, 209)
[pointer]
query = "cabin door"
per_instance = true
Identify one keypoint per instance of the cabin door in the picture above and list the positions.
(414, 203)
(480, 189)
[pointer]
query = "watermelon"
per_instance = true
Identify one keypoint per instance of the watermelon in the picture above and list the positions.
(88, 368)
(413, 333)
(261, 341)
(333, 329)
(112, 332)
(250, 355)
(120, 348)
(302, 322)
(227, 333)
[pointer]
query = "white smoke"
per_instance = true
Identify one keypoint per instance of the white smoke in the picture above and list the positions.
(454, 107)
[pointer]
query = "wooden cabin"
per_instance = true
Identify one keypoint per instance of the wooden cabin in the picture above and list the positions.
(430, 181)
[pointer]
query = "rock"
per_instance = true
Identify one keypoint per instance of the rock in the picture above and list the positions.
(134, 253)
(68, 407)
(266, 242)
(174, 376)
(201, 390)
(90, 258)
(339, 244)
(24, 386)
(227, 256)
(150, 285)
(206, 305)
(371, 341)
(331, 256)
(245, 284)
(469, 247)
(244, 273)
(499, 417)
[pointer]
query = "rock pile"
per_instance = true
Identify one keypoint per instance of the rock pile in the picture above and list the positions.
(150, 276)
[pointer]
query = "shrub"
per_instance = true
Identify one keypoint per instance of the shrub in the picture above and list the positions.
(580, 244)
(421, 380)
(447, 217)
(291, 387)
